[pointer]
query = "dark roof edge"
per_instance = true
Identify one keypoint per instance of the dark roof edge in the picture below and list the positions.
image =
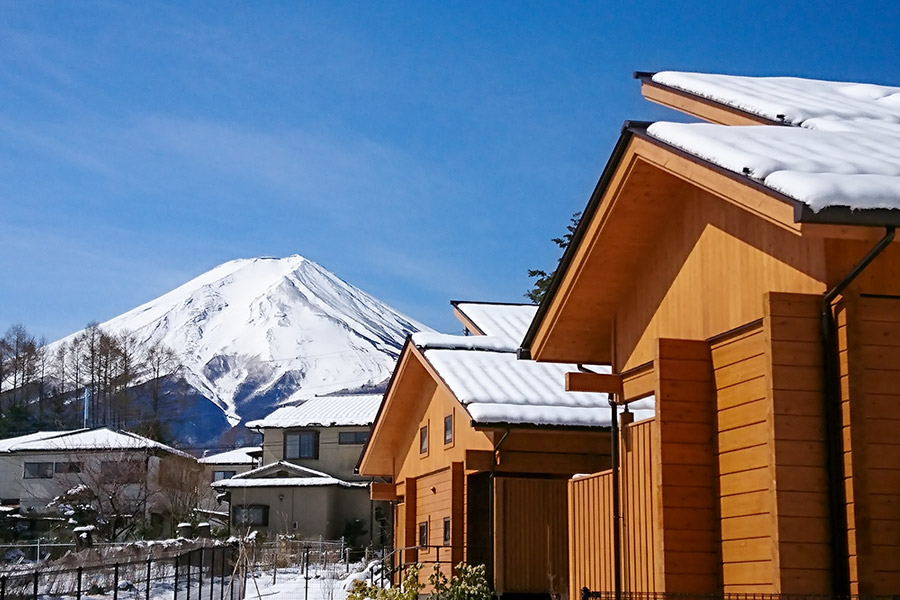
(646, 77)
(629, 128)
(456, 303)
(533, 426)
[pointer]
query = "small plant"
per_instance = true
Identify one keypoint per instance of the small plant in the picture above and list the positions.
(468, 583)
(409, 589)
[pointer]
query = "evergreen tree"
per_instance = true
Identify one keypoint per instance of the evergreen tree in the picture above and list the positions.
(542, 282)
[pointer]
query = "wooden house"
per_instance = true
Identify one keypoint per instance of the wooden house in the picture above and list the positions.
(743, 273)
(475, 449)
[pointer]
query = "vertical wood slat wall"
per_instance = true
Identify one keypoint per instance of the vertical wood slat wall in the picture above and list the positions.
(590, 520)
(869, 346)
(538, 526)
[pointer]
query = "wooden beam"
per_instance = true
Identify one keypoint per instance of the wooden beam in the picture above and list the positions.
(694, 105)
(383, 491)
(594, 382)
(550, 463)
(479, 460)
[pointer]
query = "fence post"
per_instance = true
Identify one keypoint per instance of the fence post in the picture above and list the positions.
(188, 588)
(79, 571)
(116, 581)
(36, 585)
(382, 565)
(3, 588)
(212, 572)
(149, 565)
(585, 593)
(200, 576)
(306, 574)
(221, 573)
(176, 577)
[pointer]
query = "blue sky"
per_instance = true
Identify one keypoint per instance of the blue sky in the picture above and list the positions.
(423, 151)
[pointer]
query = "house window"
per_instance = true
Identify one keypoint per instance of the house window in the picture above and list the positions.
(38, 470)
(423, 534)
(250, 514)
(302, 444)
(220, 475)
(423, 440)
(446, 531)
(448, 429)
(123, 471)
(67, 467)
(353, 437)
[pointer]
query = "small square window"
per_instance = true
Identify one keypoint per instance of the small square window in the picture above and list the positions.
(423, 534)
(220, 475)
(423, 440)
(68, 467)
(302, 444)
(353, 437)
(250, 514)
(448, 429)
(446, 531)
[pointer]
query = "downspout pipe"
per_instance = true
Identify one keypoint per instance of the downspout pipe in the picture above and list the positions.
(616, 516)
(840, 571)
(493, 500)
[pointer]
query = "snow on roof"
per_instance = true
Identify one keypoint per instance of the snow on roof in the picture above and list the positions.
(792, 100)
(84, 439)
(288, 475)
(486, 343)
(238, 456)
(851, 166)
(845, 152)
(496, 387)
(325, 411)
(509, 321)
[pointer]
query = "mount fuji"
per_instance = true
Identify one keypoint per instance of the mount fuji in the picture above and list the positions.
(252, 334)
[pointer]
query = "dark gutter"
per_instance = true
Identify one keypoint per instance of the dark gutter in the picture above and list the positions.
(646, 78)
(840, 554)
(628, 130)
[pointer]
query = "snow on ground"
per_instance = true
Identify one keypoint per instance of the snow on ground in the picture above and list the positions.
(331, 583)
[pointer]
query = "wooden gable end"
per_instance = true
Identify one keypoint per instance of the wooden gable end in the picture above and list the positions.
(416, 398)
(673, 248)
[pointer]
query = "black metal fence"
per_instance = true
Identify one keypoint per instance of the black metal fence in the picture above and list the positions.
(202, 573)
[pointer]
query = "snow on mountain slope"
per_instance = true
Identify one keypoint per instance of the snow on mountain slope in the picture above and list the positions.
(254, 333)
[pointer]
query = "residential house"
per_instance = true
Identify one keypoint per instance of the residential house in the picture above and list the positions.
(227, 464)
(306, 484)
(125, 472)
(746, 277)
(475, 448)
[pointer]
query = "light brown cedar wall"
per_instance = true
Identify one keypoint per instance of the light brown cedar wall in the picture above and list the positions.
(747, 498)
(685, 451)
(869, 338)
(433, 503)
(531, 515)
(590, 510)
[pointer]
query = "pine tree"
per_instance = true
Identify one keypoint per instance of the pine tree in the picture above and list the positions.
(542, 282)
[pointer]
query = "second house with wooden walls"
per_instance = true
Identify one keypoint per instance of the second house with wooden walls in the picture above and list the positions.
(476, 448)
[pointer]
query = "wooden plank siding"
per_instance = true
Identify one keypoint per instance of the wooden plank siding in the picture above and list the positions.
(532, 537)
(684, 451)
(747, 500)
(870, 394)
(792, 324)
(590, 519)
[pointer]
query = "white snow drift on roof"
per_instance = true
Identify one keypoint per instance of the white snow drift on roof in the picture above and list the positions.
(8, 444)
(238, 456)
(831, 165)
(288, 475)
(796, 99)
(86, 439)
(509, 321)
(495, 387)
(845, 152)
(325, 411)
(485, 343)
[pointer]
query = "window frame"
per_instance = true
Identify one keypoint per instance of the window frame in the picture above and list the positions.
(358, 437)
(423, 534)
(300, 433)
(247, 509)
(447, 531)
(46, 471)
(449, 420)
(67, 467)
(423, 440)
(216, 474)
